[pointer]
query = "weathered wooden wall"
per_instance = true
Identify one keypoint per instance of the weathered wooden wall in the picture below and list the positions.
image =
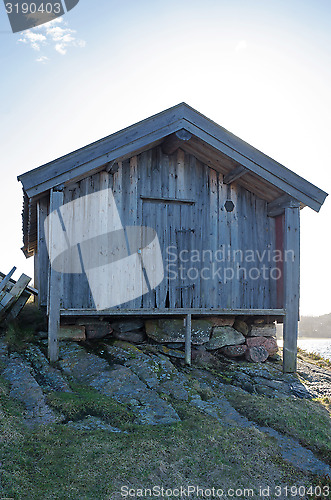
(183, 200)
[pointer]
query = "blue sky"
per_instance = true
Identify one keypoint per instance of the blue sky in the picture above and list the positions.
(260, 68)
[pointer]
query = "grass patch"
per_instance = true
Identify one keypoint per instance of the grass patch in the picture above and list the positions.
(60, 463)
(88, 401)
(307, 421)
(312, 357)
(20, 332)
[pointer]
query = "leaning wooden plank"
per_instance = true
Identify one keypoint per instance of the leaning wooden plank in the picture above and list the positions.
(17, 307)
(29, 289)
(6, 280)
(14, 295)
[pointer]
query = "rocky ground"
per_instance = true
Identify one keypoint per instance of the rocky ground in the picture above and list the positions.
(149, 379)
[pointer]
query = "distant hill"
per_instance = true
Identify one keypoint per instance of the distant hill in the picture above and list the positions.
(315, 326)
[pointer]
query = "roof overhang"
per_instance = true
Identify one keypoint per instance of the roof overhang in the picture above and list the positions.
(180, 126)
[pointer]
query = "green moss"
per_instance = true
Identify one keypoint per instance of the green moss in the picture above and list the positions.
(87, 401)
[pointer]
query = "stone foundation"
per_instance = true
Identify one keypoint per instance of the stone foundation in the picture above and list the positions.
(252, 338)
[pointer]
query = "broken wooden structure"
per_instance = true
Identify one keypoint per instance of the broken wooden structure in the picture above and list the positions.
(202, 189)
(14, 295)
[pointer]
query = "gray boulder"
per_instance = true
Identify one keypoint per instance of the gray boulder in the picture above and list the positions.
(127, 326)
(224, 336)
(173, 330)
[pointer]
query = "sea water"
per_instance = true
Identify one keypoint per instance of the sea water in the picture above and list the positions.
(318, 346)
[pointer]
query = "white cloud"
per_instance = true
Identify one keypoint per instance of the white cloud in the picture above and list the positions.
(42, 59)
(54, 34)
(34, 39)
(241, 45)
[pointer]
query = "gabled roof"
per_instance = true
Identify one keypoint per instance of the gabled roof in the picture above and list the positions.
(185, 127)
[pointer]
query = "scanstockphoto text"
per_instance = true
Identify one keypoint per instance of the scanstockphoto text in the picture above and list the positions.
(225, 264)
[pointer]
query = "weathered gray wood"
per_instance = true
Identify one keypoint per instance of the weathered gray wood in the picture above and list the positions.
(235, 174)
(291, 288)
(175, 141)
(164, 199)
(188, 339)
(56, 201)
(150, 132)
(6, 279)
(15, 293)
(29, 289)
(312, 197)
(41, 257)
(174, 312)
(17, 307)
(278, 206)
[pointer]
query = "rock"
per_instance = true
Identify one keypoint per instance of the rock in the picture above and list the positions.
(257, 354)
(263, 330)
(175, 345)
(241, 326)
(255, 341)
(73, 332)
(203, 358)
(224, 336)
(136, 337)
(172, 353)
(271, 346)
(173, 330)
(48, 376)
(91, 423)
(300, 391)
(243, 381)
(127, 326)
(264, 390)
(221, 320)
(119, 382)
(275, 357)
(268, 342)
(234, 351)
(98, 330)
(25, 388)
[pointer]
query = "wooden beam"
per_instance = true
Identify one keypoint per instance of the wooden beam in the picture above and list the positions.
(14, 294)
(188, 339)
(167, 200)
(41, 256)
(171, 312)
(54, 293)
(6, 279)
(235, 174)
(17, 307)
(175, 141)
(278, 206)
(291, 287)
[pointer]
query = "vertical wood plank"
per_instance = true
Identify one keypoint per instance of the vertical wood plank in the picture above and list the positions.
(56, 201)
(291, 287)
(188, 339)
(42, 260)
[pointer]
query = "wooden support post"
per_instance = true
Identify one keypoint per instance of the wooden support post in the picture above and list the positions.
(54, 293)
(188, 332)
(291, 287)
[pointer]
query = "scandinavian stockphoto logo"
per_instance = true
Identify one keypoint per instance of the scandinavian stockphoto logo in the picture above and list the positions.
(120, 263)
(24, 15)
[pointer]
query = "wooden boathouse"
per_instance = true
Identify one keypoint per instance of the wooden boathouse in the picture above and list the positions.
(225, 212)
